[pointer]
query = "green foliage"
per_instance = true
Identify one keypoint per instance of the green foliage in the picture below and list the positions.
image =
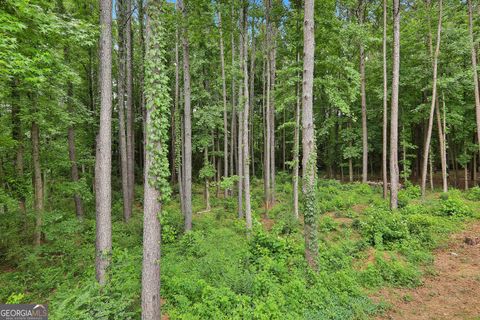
(453, 206)
(158, 101)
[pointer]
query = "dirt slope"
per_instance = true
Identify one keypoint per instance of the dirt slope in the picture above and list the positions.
(452, 292)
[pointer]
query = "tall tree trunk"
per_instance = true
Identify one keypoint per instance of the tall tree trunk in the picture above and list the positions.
(17, 135)
(234, 112)
(426, 149)
(141, 17)
(103, 159)
(474, 68)
(208, 207)
(240, 159)
(246, 109)
(130, 129)
(224, 94)
(252, 98)
(187, 159)
(394, 172)
(37, 183)
(385, 103)
(273, 69)
(431, 172)
(296, 147)
(121, 88)
(443, 152)
(155, 181)
(441, 136)
(72, 154)
(178, 124)
(361, 13)
(268, 145)
(308, 139)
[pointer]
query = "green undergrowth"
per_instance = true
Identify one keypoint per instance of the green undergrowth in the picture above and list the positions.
(218, 271)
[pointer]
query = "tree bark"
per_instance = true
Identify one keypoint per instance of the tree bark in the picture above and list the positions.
(361, 14)
(443, 152)
(394, 172)
(72, 155)
(103, 161)
(37, 183)
(178, 124)
(273, 69)
(296, 147)
(246, 109)
(187, 159)
(426, 149)
(121, 88)
(224, 94)
(240, 166)
(385, 103)
(308, 139)
(130, 138)
(17, 135)
(268, 146)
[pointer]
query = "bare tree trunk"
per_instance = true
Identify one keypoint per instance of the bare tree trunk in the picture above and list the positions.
(121, 9)
(246, 109)
(252, 99)
(141, 14)
(72, 155)
(361, 7)
(308, 133)
(268, 146)
(187, 159)
(465, 170)
(103, 160)
(234, 112)
(130, 138)
(240, 166)
(385, 103)
(178, 123)
(443, 153)
(434, 100)
(273, 69)
(208, 207)
(218, 175)
(474, 68)
(17, 135)
(296, 147)
(224, 93)
(431, 172)
(37, 183)
(394, 172)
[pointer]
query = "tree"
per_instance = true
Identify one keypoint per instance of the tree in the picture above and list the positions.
(309, 159)
(474, 68)
(394, 171)
(157, 188)
(187, 154)
(246, 109)
(37, 182)
(361, 14)
(224, 95)
(122, 93)
(434, 101)
(385, 104)
(103, 159)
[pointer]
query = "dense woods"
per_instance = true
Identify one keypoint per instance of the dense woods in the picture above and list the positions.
(263, 152)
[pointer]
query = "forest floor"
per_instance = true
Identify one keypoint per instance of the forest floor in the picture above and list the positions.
(451, 289)
(412, 263)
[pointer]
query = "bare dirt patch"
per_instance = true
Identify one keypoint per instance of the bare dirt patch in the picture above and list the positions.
(452, 292)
